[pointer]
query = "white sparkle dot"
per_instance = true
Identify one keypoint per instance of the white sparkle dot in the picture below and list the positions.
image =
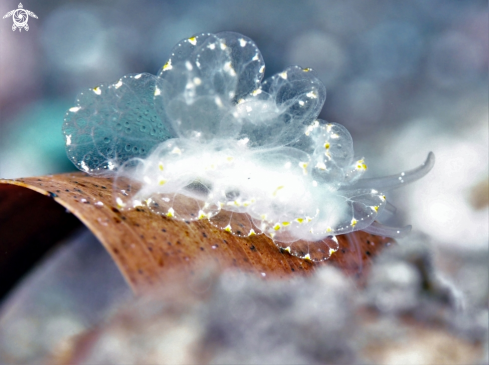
(84, 166)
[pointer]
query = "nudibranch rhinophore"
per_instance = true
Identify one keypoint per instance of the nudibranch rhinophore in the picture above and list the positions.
(207, 127)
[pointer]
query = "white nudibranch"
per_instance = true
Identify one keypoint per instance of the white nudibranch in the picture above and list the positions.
(177, 137)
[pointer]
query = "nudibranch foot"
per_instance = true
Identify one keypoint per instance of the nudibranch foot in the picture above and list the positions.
(393, 232)
(395, 181)
(235, 223)
(315, 251)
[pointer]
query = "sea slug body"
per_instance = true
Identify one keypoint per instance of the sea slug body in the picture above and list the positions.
(207, 128)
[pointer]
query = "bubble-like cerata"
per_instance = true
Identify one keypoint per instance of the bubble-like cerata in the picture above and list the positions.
(206, 138)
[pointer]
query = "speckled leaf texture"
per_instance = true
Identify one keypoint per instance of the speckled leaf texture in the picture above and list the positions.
(149, 248)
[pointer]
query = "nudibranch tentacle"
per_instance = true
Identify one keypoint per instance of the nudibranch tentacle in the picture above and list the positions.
(207, 139)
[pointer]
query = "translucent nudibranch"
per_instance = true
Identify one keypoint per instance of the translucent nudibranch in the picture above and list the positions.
(207, 128)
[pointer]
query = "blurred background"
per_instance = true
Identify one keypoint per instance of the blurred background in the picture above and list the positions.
(405, 78)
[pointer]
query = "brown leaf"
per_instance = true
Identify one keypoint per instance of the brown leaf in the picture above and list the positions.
(147, 247)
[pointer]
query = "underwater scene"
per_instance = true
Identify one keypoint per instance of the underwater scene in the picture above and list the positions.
(261, 173)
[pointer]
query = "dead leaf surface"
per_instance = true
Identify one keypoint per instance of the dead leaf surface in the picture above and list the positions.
(147, 247)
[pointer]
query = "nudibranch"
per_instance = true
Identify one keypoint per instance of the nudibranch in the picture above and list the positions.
(207, 128)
